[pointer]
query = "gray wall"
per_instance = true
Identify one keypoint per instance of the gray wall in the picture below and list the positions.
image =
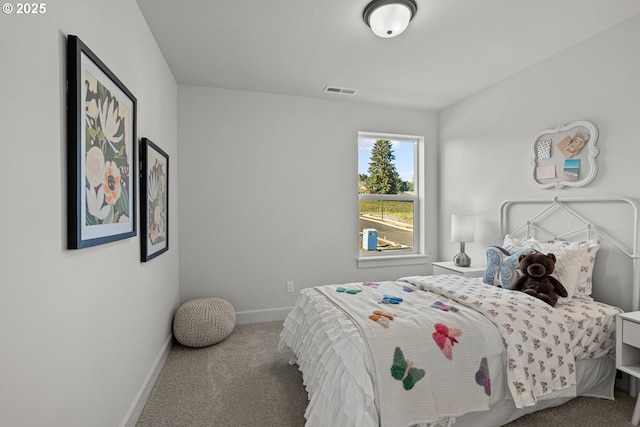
(81, 330)
(484, 140)
(268, 194)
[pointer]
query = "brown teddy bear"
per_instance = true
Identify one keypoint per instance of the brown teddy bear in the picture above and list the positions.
(536, 278)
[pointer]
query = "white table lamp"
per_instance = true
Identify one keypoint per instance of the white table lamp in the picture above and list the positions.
(462, 231)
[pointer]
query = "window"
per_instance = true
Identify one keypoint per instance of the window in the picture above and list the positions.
(389, 195)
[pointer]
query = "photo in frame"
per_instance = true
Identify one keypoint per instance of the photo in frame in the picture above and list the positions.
(101, 152)
(571, 169)
(154, 200)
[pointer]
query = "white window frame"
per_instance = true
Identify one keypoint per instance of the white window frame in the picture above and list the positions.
(417, 254)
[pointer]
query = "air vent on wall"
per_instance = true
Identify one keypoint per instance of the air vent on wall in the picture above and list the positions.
(342, 90)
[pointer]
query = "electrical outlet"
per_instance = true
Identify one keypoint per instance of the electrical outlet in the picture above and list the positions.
(289, 286)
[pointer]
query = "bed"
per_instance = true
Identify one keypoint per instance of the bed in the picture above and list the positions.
(444, 350)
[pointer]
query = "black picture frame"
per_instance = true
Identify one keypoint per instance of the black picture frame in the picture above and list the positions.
(154, 200)
(101, 151)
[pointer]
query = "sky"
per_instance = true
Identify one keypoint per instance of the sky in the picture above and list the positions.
(403, 150)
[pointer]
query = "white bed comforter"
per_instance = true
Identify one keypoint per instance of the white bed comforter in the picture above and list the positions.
(534, 336)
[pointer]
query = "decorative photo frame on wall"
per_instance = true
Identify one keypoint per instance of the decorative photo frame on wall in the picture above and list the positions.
(565, 156)
(101, 152)
(154, 200)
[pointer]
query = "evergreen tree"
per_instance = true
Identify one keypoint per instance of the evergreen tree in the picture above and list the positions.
(383, 177)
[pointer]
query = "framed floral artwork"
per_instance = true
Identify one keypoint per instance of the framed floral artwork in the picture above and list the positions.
(101, 152)
(154, 200)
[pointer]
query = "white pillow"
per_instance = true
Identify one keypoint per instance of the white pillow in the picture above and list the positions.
(570, 259)
(585, 276)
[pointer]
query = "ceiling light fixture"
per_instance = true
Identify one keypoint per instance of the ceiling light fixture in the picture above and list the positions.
(389, 18)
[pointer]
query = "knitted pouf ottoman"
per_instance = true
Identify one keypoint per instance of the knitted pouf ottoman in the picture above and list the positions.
(203, 322)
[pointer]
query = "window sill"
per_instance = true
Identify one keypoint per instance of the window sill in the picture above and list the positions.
(392, 261)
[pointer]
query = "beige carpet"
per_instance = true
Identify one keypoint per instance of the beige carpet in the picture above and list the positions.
(245, 382)
(242, 381)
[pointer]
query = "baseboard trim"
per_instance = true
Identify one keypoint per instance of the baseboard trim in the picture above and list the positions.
(261, 316)
(132, 415)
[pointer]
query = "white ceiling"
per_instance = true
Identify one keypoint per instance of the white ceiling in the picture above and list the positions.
(452, 48)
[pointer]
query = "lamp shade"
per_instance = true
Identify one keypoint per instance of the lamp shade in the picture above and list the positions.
(462, 228)
(389, 18)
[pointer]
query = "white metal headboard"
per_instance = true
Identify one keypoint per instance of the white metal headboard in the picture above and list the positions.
(567, 204)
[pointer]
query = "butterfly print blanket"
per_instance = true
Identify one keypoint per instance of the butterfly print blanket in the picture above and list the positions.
(428, 361)
(429, 354)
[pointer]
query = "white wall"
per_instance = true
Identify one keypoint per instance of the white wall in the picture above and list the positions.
(485, 139)
(268, 194)
(79, 329)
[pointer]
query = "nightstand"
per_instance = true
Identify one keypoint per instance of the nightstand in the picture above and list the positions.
(448, 267)
(628, 350)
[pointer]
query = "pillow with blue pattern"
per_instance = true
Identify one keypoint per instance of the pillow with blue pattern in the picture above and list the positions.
(502, 266)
